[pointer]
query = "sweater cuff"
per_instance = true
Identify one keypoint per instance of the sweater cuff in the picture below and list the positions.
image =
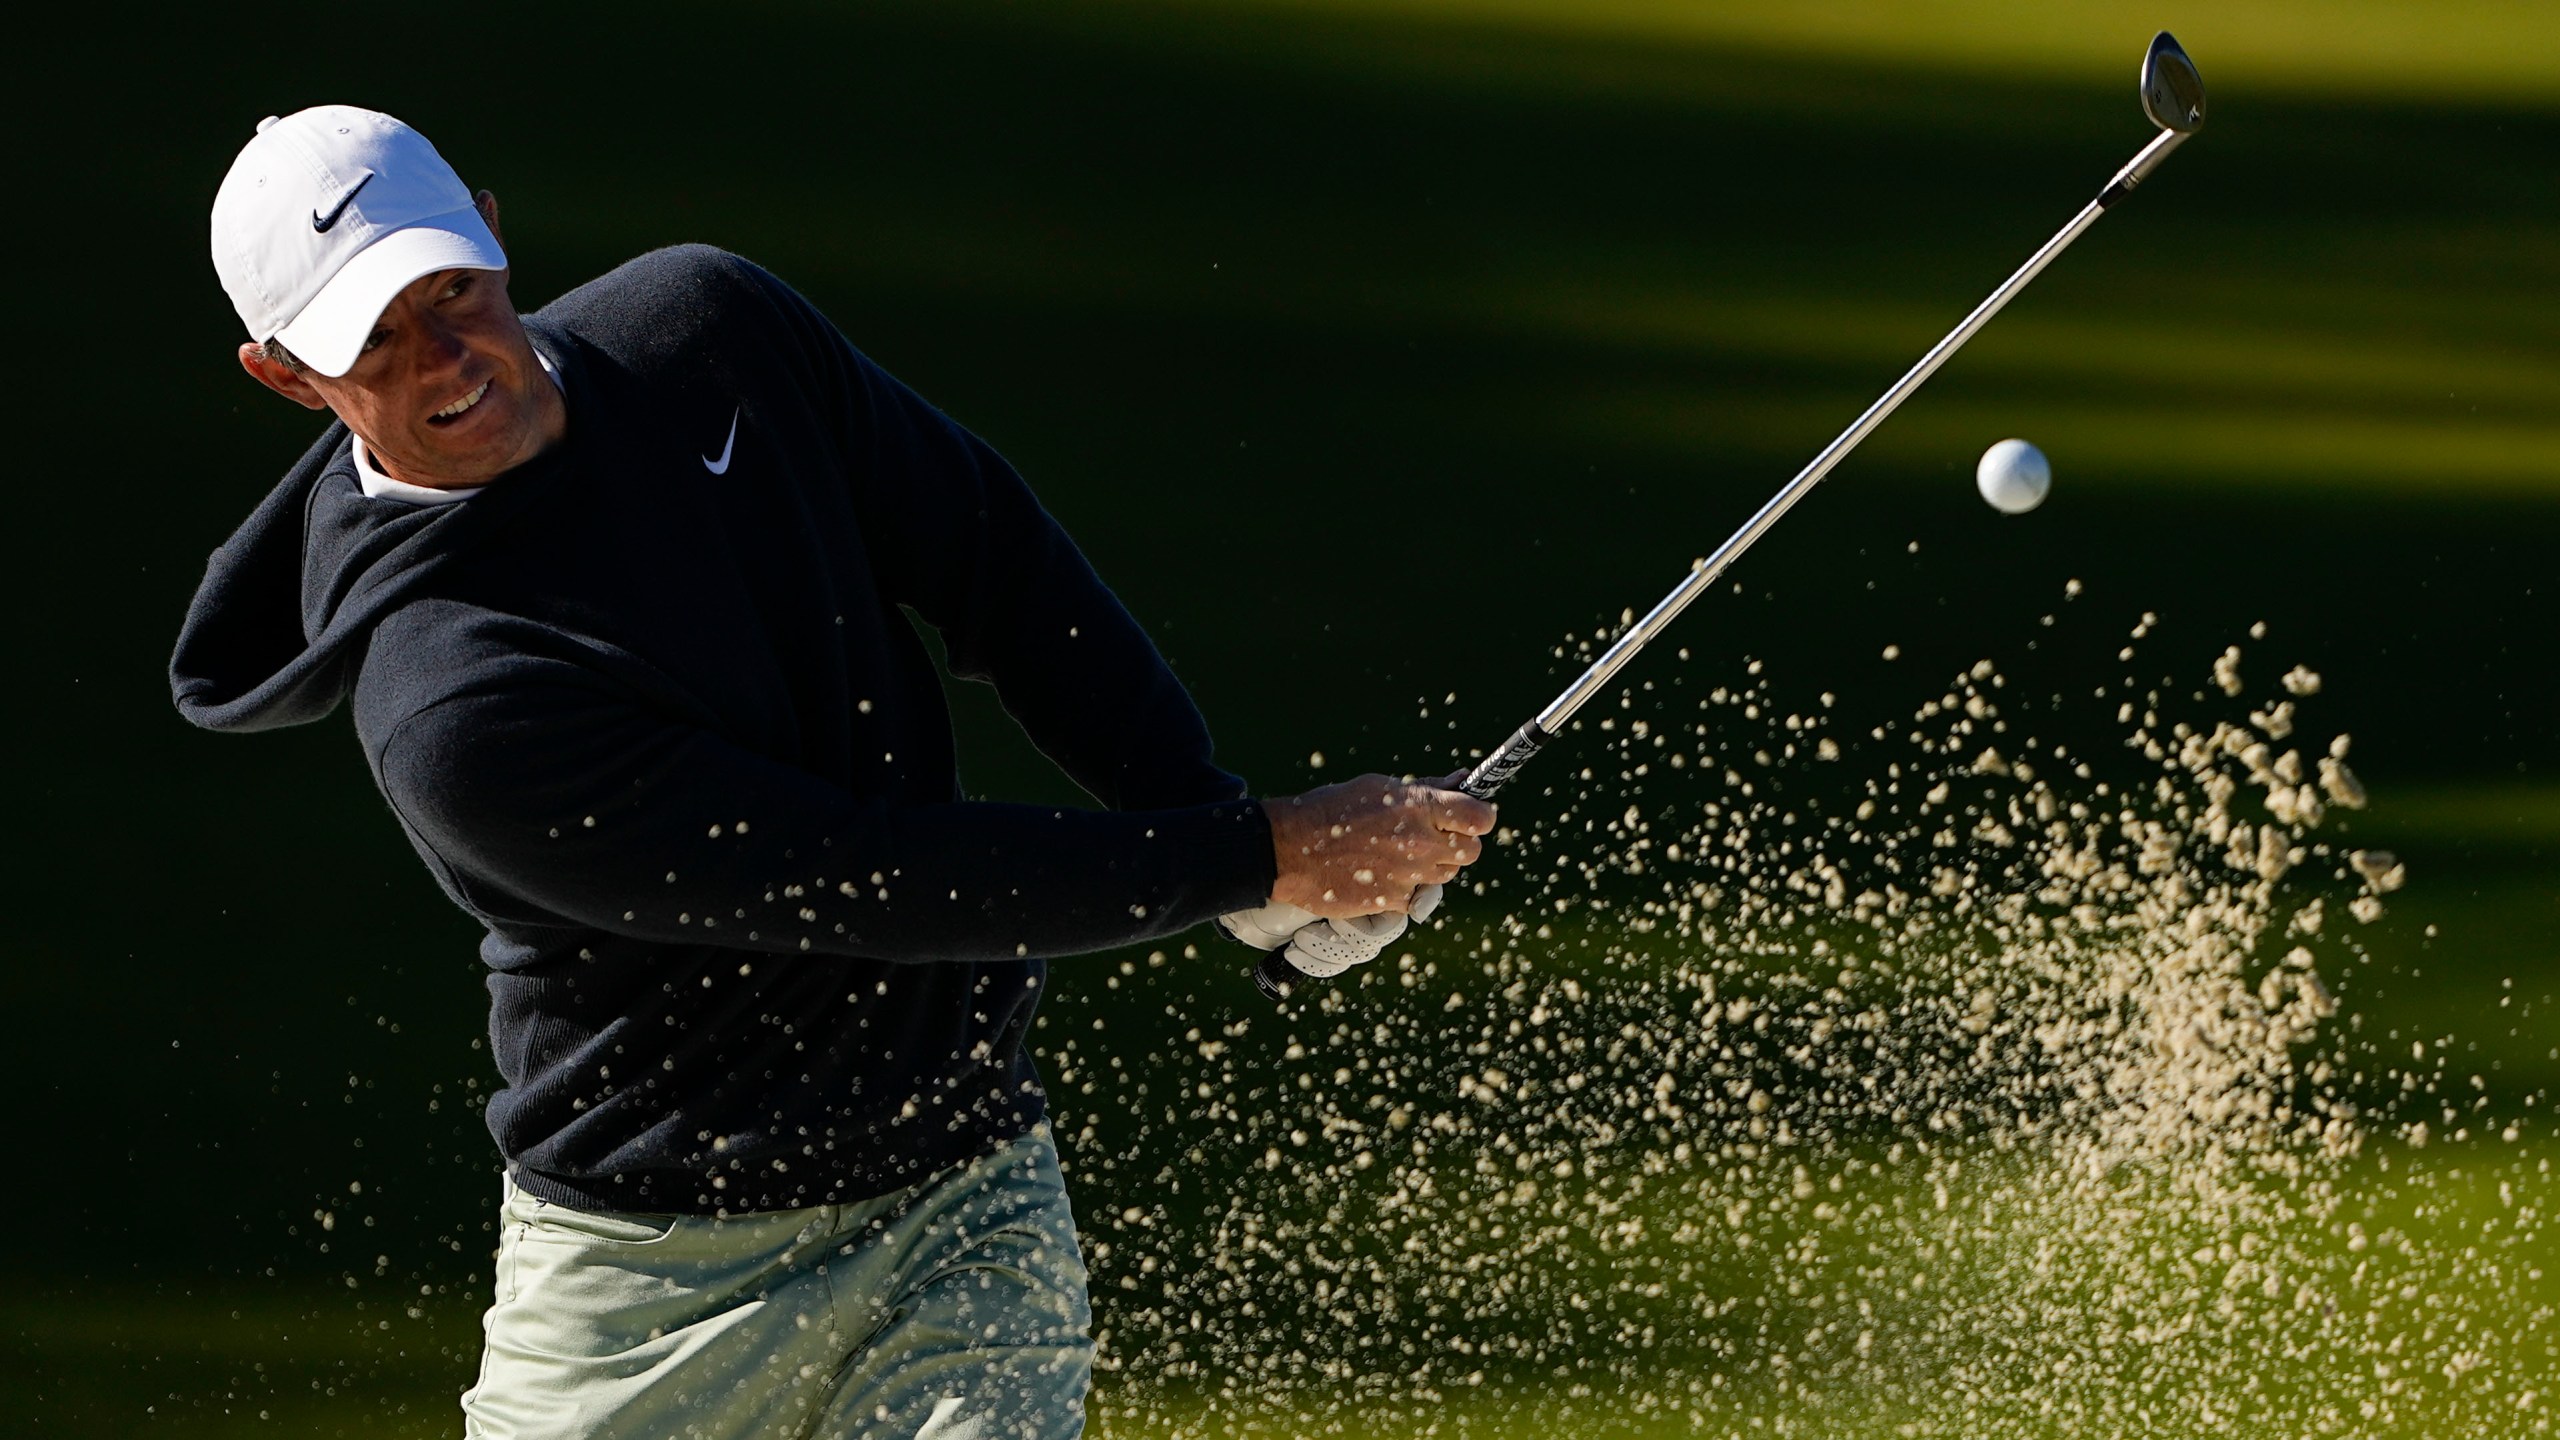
(1224, 861)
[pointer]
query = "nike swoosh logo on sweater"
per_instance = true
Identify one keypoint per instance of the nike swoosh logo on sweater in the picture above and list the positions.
(321, 223)
(721, 465)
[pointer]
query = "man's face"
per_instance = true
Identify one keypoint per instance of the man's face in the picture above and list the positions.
(447, 391)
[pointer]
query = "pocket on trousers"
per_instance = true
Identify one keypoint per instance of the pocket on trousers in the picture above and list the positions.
(547, 1220)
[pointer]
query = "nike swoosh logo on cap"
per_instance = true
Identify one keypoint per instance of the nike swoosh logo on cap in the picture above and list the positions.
(721, 465)
(321, 223)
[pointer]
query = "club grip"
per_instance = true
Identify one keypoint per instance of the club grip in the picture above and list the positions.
(1498, 767)
(1275, 977)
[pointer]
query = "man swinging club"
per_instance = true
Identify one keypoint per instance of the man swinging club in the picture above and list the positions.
(614, 590)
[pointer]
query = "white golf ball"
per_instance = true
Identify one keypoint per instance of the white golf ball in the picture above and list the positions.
(2013, 476)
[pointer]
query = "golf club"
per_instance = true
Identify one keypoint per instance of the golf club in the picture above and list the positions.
(2173, 96)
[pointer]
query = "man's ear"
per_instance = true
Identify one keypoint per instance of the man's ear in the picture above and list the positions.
(486, 202)
(276, 375)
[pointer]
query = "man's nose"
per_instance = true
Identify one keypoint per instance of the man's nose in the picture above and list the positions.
(440, 345)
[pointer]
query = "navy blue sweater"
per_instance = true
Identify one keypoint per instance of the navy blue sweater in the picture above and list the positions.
(669, 736)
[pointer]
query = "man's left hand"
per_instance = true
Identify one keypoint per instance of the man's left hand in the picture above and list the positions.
(1326, 948)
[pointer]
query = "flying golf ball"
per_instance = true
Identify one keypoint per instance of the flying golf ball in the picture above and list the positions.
(2013, 476)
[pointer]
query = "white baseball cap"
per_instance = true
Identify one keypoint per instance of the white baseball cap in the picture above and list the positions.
(327, 213)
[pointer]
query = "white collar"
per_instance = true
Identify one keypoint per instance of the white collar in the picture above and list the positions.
(382, 487)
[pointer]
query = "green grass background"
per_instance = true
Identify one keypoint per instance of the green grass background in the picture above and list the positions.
(1378, 341)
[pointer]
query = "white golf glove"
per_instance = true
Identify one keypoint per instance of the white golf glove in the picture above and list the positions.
(1322, 949)
(1268, 928)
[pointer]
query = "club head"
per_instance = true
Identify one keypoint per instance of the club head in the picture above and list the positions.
(2172, 91)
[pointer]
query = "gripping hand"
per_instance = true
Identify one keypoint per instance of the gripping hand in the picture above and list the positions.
(1323, 949)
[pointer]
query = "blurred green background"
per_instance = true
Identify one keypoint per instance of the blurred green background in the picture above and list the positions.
(1374, 342)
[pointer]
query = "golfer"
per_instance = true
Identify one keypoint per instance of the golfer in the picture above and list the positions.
(615, 591)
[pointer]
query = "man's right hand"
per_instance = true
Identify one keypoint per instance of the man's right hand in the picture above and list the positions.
(1364, 846)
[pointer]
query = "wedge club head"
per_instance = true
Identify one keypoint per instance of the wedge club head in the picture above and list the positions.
(2172, 91)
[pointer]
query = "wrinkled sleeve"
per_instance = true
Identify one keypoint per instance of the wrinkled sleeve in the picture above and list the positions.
(960, 537)
(554, 795)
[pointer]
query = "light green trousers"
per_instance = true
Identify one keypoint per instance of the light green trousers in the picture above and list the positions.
(952, 1311)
